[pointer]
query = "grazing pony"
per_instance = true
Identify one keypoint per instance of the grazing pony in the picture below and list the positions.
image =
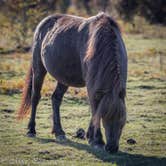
(80, 52)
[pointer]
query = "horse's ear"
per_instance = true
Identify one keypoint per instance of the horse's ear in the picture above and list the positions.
(115, 24)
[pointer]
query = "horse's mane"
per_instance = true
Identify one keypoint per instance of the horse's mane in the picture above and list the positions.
(101, 54)
(103, 61)
(100, 22)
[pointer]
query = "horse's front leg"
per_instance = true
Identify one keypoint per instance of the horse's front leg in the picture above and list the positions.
(56, 102)
(94, 134)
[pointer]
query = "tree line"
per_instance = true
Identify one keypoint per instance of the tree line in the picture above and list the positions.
(22, 16)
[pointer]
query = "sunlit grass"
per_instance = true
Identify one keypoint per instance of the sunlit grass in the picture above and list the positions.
(146, 114)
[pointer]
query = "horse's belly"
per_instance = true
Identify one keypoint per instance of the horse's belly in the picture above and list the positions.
(64, 67)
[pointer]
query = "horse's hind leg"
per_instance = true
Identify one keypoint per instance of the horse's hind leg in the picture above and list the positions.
(57, 97)
(38, 77)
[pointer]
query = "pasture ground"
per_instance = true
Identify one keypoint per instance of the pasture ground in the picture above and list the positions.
(146, 114)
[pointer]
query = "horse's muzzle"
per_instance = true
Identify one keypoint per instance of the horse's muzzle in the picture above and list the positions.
(111, 149)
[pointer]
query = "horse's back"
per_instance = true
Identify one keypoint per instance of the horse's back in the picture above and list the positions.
(59, 51)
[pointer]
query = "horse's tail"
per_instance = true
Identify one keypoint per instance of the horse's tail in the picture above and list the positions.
(26, 96)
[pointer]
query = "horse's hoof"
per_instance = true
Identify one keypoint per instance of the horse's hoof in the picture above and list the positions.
(111, 149)
(98, 147)
(61, 138)
(31, 135)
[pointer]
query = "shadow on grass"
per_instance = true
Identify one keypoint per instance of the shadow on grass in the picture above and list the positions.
(120, 158)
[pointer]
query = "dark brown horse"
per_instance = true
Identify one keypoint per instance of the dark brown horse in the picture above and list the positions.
(80, 52)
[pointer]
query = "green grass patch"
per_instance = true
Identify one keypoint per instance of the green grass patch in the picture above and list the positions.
(146, 114)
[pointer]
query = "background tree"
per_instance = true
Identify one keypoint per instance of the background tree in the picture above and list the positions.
(20, 17)
(153, 10)
(23, 16)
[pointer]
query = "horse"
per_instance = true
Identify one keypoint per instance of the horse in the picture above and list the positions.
(80, 52)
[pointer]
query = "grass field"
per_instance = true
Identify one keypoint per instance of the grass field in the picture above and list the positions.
(146, 114)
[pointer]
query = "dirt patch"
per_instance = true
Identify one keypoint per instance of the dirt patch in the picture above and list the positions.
(46, 155)
(7, 110)
(44, 152)
(148, 87)
(10, 91)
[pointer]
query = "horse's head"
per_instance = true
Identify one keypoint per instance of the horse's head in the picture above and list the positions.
(113, 118)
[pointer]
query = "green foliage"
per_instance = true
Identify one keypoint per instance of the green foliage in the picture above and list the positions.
(152, 10)
(21, 18)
